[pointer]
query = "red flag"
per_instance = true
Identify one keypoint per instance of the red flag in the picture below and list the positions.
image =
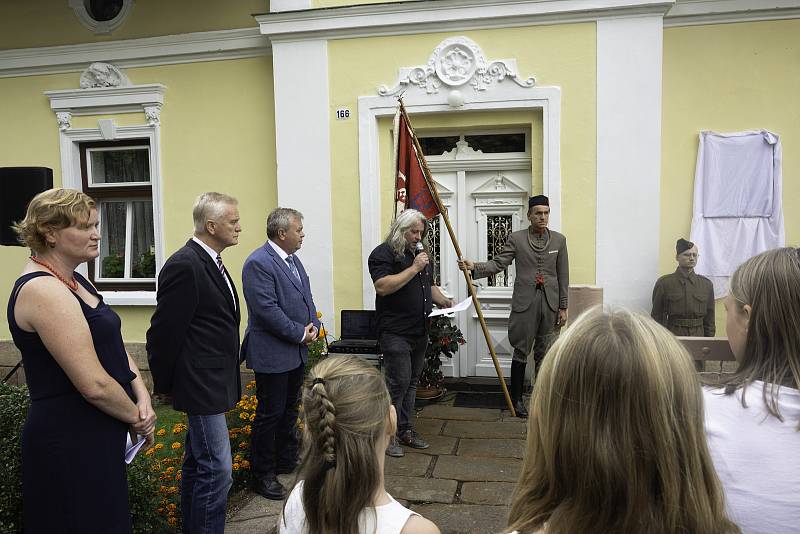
(411, 189)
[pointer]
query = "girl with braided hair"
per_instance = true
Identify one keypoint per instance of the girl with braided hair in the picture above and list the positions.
(349, 420)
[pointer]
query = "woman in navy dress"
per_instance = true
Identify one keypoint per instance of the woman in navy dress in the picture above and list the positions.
(86, 392)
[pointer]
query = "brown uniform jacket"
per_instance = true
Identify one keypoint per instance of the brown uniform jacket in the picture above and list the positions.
(684, 304)
(553, 263)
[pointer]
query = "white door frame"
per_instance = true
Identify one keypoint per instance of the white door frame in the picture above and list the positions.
(418, 101)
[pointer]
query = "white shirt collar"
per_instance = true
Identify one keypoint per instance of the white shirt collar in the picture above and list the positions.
(210, 251)
(278, 250)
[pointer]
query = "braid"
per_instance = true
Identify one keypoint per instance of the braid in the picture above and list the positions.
(327, 418)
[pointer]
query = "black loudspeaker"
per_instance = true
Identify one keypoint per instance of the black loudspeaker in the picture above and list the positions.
(18, 185)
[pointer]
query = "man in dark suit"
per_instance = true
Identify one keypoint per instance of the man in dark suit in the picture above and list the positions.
(541, 288)
(282, 321)
(193, 349)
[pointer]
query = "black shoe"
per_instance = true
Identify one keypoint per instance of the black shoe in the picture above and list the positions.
(269, 488)
(286, 469)
(520, 409)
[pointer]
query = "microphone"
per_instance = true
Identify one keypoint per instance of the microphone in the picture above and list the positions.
(419, 247)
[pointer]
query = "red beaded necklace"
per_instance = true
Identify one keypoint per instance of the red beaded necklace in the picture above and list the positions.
(72, 284)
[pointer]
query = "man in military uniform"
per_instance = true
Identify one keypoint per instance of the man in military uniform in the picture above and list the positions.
(539, 302)
(684, 301)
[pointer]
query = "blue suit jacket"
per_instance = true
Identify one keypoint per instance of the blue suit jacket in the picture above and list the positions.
(279, 307)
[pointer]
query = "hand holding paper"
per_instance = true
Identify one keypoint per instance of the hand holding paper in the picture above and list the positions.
(450, 312)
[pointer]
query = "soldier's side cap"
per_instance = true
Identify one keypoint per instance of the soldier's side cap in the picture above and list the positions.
(538, 200)
(682, 246)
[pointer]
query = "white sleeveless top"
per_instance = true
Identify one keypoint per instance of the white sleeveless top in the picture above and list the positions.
(389, 518)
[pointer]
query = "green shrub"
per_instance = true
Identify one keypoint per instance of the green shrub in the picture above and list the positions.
(13, 410)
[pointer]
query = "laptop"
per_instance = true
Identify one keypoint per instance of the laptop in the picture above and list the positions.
(359, 333)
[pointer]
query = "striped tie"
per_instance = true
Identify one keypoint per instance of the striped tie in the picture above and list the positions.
(220, 266)
(292, 266)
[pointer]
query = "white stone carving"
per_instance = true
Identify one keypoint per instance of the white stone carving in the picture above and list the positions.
(462, 151)
(456, 62)
(100, 74)
(153, 115)
(64, 119)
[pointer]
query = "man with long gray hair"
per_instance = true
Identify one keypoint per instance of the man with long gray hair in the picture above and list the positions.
(401, 274)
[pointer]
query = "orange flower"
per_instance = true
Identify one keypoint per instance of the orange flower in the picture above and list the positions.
(178, 476)
(243, 445)
(178, 428)
(319, 315)
(235, 466)
(245, 464)
(176, 445)
(172, 507)
(322, 332)
(149, 451)
(161, 432)
(169, 470)
(251, 385)
(172, 521)
(159, 446)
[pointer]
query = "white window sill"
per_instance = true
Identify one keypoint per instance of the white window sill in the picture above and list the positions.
(129, 298)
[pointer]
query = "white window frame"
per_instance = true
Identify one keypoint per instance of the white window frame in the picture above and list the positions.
(126, 278)
(121, 185)
(105, 101)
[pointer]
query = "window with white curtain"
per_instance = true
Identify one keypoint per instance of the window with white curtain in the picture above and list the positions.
(117, 175)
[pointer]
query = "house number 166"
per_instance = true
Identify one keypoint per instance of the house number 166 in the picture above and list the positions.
(342, 114)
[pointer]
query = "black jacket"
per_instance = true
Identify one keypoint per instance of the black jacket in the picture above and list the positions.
(193, 340)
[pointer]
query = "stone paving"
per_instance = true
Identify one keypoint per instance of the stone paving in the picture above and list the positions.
(463, 482)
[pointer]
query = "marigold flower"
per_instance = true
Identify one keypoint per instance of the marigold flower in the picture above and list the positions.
(172, 507)
(243, 415)
(178, 428)
(237, 458)
(172, 521)
(235, 466)
(169, 470)
(245, 464)
(161, 432)
(158, 446)
(149, 451)
(175, 446)
(178, 475)
(250, 385)
(172, 489)
(319, 315)
(252, 417)
(243, 445)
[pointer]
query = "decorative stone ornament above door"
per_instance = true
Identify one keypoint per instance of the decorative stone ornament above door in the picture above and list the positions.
(456, 62)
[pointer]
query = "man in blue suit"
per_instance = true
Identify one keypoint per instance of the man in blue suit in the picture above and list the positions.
(282, 321)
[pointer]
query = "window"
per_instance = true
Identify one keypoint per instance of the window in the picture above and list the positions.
(498, 228)
(117, 175)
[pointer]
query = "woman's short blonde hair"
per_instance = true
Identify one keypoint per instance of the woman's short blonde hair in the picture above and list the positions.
(54, 209)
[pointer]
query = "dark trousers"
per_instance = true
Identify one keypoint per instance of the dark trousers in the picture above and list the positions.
(403, 360)
(273, 438)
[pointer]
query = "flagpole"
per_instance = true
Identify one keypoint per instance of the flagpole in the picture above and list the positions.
(435, 194)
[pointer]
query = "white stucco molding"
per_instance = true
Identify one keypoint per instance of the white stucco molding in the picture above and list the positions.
(276, 6)
(394, 18)
(503, 95)
(94, 100)
(145, 52)
(303, 156)
(457, 61)
(629, 64)
(695, 12)
(147, 99)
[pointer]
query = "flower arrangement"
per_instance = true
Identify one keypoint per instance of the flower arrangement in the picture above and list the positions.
(164, 459)
(443, 340)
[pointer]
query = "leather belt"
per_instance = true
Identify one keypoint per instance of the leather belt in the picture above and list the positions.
(686, 323)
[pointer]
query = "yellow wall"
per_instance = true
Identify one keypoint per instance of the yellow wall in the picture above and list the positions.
(33, 23)
(562, 55)
(217, 133)
(726, 78)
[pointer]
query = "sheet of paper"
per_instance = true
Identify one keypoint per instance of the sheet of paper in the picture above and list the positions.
(450, 312)
(132, 448)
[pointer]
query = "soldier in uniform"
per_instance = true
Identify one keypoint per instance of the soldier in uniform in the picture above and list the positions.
(539, 302)
(684, 301)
